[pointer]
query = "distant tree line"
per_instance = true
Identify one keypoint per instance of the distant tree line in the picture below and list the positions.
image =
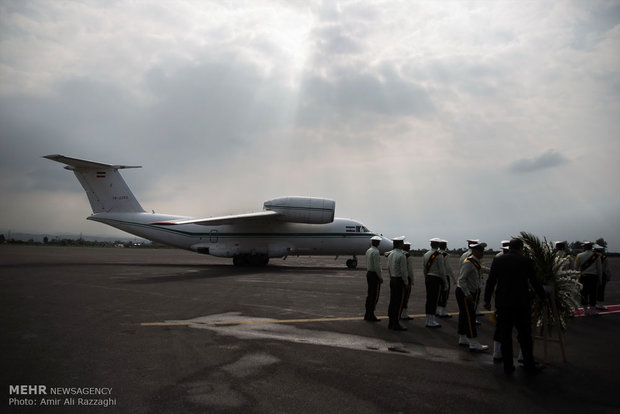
(80, 242)
(577, 245)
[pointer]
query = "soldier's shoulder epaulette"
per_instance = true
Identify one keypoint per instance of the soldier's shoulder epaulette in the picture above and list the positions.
(474, 262)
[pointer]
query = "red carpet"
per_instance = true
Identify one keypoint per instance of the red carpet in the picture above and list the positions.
(610, 309)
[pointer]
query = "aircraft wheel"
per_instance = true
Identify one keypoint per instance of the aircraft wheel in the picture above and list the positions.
(259, 260)
(352, 263)
(250, 260)
(239, 261)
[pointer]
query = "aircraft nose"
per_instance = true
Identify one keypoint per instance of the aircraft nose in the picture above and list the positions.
(385, 245)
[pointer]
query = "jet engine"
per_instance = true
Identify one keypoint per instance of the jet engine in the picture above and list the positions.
(308, 210)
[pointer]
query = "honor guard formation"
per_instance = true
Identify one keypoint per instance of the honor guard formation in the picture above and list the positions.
(511, 279)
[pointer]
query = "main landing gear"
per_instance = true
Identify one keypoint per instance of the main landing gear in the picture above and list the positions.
(250, 260)
(352, 263)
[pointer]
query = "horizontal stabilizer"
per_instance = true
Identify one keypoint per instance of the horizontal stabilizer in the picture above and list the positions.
(76, 163)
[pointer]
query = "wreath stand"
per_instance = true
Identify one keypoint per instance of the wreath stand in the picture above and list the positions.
(546, 331)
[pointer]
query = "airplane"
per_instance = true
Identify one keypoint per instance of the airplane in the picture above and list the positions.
(287, 226)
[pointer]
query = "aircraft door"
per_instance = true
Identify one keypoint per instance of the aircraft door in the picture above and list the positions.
(213, 237)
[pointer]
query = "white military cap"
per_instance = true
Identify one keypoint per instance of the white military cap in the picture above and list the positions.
(587, 242)
(555, 244)
(435, 239)
(472, 241)
(444, 241)
(505, 244)
(399, 238)
(376, 238)
(598, 247)
(479, 244)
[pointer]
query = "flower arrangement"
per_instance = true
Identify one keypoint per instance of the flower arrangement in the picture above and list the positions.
(554, 271)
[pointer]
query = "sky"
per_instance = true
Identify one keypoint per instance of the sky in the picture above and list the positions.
(450, 119)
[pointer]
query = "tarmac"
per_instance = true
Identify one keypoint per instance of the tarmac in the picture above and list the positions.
(170, 331)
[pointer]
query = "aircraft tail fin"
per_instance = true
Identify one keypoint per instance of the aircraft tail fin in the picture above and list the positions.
(105, 187)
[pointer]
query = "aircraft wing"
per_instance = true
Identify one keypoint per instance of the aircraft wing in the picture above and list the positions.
(217, 221)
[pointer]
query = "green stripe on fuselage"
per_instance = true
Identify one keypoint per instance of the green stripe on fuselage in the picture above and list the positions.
(219, 234)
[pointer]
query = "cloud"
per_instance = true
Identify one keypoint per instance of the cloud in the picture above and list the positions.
(354, 95)
(332, 41)
(398, 113)
(548, 159)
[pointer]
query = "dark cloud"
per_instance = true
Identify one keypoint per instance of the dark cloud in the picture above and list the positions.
(595, 21)
(215, 109)
(79, 117)
(353, 93)
(208, 105)
(549, 159)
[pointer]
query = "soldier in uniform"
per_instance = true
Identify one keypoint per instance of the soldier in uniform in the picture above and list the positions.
(466, 287)
(471, 242)
(397, 267)
(505, 244)
(373, 278)
(468, 251)
(449, 277)
(434, 279)
(588, 263)
(600, 297)
(497, 336)
(404, 315)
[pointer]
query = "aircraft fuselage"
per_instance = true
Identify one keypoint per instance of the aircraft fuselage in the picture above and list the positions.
(276, 239)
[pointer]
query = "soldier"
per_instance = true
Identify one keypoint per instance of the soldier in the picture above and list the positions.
(466, 287)
(588, 263)
(471, 242)
(407, 247)
(397, 267)
(373, 278)
(600, 297)
(504, 249)
(449, 277)
(468, 252)
(497, 336)
(434, 279)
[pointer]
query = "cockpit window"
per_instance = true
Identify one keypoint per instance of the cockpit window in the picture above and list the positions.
(357, 229)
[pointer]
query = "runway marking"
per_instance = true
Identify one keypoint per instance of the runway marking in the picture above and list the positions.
(270, 321)
(612, 309)
(249, 328)
(254, 322)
